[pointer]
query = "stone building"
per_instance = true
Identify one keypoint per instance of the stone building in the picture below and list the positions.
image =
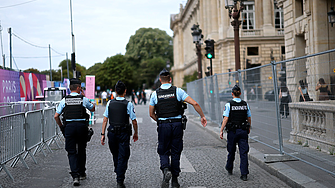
(307, 31)
(261, 36)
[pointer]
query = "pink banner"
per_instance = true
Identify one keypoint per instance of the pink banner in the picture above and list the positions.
(10, 86)
(90, 87)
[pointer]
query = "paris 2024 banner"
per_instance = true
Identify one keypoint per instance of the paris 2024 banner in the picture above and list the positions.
(10, 86)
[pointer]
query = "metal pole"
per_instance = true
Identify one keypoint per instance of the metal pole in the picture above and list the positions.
(198, 46)
(2, 54)
(50, 62)
(274, 77)
(210, 64)
(67, 66)
(73, 47)
(10, 47)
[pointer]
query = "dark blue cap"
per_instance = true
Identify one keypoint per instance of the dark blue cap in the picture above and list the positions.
(75, 81)
(236, 88)
(164, 72)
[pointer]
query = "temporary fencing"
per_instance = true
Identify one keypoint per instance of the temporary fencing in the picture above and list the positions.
(302, 130)
(20, 133)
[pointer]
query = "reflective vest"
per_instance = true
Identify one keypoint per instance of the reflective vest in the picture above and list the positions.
(238, 112)
(74, 108)
(167, 103)
(117, 113)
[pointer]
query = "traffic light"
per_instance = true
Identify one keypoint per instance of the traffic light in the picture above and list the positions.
(208, 73)
(209, 49)
(73, 61)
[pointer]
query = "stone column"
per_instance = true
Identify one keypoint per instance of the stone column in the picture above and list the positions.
(268, 15)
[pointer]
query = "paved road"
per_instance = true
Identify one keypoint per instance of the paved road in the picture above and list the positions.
(202, 163)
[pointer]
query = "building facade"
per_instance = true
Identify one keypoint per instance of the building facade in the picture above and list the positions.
(307, 31)
(261, 36)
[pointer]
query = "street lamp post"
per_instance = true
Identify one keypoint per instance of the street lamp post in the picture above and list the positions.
(234, 13)
(197, 36)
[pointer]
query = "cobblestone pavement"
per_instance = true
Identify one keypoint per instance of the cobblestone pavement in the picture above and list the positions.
(203, 161)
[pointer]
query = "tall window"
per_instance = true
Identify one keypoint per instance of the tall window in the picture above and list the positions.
(279, 18)
(248, 16)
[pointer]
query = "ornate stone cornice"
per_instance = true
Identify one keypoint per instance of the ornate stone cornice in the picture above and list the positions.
(185, 14)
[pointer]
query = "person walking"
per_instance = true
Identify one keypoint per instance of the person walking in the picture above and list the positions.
(303, 92)
(324, 90)
(75, 128)
(143, 96)
(104, 97)
(285, 98)
(166, 109)
(118, 112)
(139, 96)
(237, 121)
(133, 96)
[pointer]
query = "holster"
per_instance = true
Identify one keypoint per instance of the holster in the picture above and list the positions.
(184, 121)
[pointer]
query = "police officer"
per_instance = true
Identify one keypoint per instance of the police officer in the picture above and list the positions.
(166, 108)
(237, 121)
(75, 128)
(118, 111)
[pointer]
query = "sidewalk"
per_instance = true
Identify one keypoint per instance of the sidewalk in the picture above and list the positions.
(283, 170)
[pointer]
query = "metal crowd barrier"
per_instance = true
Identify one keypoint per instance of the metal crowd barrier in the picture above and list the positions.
(22, 132)
(272, 127)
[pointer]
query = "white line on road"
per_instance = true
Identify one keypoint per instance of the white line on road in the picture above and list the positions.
(185, 164)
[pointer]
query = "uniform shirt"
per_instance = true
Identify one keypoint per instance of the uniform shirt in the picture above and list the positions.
(86, 104)
(130, 109)
(227, 108)
(181, 96)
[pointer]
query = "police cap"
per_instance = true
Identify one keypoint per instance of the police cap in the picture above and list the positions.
(74, 81)
(120, 87)
(164, 72)
(235, 88)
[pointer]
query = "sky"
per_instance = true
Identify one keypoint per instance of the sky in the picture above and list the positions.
(102, 28)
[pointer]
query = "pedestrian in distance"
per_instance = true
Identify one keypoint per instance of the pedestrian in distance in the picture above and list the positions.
(104, 97)
(285, 98)
(143, 96)
(118, 111)
(133, 96)
(237, 121)
(75, 128)
(139, 96)
(324, 90)
(303, 92)
(166, 108)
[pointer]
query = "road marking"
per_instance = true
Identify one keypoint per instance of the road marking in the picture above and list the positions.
(185, 165)
(139, 120)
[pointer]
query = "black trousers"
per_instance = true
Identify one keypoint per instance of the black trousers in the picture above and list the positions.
(284, 109)
(75, 145)
(170, 144)
(119, 145)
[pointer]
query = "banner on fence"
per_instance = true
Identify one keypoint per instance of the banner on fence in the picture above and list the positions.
(31, 85)
(10, 86)
(90, 87)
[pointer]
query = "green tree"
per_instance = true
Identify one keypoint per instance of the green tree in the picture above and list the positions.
(32, 70)
(93, 70)
(150, 69)
(113, 69)
(149, 43)
(190, 78)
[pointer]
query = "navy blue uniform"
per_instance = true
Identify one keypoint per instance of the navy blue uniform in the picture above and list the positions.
(237, 112)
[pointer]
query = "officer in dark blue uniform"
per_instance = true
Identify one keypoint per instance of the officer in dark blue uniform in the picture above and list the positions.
(166, 108)
(75, 128)
(118, 111)
(237, 121)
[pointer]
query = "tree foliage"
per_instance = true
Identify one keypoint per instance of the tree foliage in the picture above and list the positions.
(190, 78)
(150, 69)
(113, 69)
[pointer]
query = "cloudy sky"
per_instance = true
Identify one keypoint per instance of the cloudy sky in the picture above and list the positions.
(101, 27)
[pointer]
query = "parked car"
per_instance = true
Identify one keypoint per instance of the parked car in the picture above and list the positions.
(270, 95)
(225, 95)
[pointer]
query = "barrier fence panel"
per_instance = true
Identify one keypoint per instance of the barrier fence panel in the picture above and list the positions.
(5, 110)
(49, 130)
(33, 129)
(11, 138)
(280, 120)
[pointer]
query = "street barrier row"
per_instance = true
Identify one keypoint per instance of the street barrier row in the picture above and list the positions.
(21, 133)
(305, 128)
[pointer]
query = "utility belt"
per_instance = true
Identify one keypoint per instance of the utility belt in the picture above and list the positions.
(118, 129)
(232, 127)
(183, 121)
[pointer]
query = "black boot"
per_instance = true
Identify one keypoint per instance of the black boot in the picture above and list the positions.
(166, 178)
(175, 183)
(120, 185)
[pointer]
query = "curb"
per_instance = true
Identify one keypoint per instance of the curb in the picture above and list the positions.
(282, 171)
